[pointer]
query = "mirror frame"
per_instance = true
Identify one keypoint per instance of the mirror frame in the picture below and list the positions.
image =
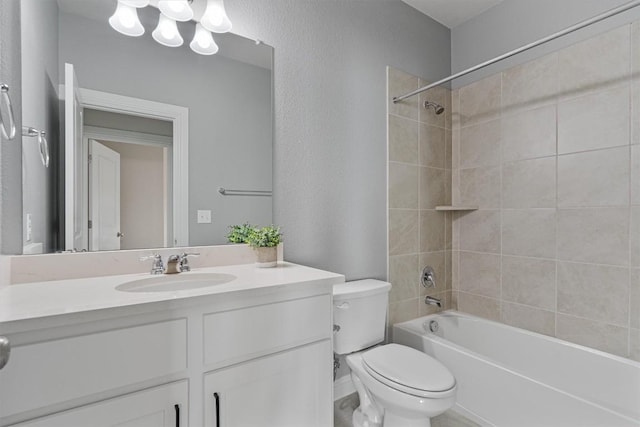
(179, 116)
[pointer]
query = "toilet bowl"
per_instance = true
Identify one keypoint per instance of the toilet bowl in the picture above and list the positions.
(399, 387)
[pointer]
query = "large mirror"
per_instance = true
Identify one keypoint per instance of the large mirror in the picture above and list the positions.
(141, 137)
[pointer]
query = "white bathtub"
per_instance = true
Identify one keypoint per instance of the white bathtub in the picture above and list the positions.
(509, 377)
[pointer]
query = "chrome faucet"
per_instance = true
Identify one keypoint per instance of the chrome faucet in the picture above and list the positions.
(157, 267)
(433, 301)
(184, 260)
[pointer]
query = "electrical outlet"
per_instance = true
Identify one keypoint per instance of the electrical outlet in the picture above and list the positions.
(204, 217)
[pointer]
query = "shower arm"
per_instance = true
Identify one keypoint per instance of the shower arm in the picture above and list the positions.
(578, 26)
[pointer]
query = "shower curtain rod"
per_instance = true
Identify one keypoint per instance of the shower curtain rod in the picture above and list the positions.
(554, 36)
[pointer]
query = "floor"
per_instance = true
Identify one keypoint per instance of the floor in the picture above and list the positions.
(343, 409)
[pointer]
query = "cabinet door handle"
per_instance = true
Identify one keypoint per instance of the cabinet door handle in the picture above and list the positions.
(5, 351)
(216, 396)
(177, 408)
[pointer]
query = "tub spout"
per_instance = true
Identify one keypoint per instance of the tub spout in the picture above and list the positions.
(433, 301)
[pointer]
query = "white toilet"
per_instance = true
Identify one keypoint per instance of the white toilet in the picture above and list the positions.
(398, 386)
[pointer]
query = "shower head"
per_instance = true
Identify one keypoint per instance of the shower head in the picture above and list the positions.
(439, 109)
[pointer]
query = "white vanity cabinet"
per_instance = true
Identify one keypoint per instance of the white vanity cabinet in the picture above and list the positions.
(265, 355)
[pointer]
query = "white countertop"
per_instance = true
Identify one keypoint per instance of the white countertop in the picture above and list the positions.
(62, 297)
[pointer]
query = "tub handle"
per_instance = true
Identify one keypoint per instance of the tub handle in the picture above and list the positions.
(343, 306)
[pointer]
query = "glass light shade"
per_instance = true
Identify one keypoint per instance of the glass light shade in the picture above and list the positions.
(125, 20)
(215, 17)
(203, 42)
(135, 3)
(178, 10)
(167, 33)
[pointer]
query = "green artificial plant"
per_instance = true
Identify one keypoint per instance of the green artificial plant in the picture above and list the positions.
(240, 233)
(265, 237)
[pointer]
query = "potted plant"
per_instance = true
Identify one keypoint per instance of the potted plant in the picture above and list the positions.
(239, 233)
(265, 242)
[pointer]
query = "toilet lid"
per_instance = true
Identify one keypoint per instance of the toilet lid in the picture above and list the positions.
(408, 370)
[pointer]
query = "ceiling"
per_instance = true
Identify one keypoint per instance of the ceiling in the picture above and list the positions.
(452, 12)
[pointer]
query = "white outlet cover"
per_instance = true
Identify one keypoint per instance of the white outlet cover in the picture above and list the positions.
(204, 217)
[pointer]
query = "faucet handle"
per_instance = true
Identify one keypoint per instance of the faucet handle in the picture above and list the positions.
(157, 267)
(184, 260)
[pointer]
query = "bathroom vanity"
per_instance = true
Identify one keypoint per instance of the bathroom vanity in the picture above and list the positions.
(253, 351)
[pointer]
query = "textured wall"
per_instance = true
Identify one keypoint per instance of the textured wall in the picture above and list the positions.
(549, 152)
(11, 151)
(514, 23)
(330, 113)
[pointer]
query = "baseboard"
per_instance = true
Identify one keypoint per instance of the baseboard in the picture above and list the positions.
(342, 387)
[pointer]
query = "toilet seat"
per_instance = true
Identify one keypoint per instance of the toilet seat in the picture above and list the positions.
(409, 371)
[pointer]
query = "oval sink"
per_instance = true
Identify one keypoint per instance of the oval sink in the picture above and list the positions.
(176, 282)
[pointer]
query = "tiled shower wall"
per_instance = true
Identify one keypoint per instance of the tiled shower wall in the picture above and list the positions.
(419, 163)
(549, 152)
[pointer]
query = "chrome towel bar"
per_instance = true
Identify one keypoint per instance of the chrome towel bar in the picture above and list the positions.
(227, 192)
(43, 145)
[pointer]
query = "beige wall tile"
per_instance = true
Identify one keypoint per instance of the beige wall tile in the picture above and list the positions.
(529, 281)
(529, 134)
(634, 298)
(487, 308)
(432, 146)
(602, 336)
(448, 264)
(480, 187)
(435, 260)
(448, 150)
(635, 46)
(529, 183)
(403, 186)
(596, 235)
(403, 140)
(403, 275)
(403, 232)
(594, 178)
(402, 311)
(598, 120)
(439, 95)
(596, 292)
(480, 144)
(448, 230)
(401, 83)
(530, 85)
(598, 62)
(480, 274)
(480, 101)
(634, 344)
(634, 236)
(431, 231)
(529, 318)
(433, 187)
(530, 232)
(481, 231)
(635, 172)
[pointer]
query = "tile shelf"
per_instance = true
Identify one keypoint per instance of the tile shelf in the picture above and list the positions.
(456, 208)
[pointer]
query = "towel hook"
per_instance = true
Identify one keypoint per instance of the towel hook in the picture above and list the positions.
(10, 133)
(43, 145)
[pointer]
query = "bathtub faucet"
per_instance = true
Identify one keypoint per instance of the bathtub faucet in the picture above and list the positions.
(433, 301)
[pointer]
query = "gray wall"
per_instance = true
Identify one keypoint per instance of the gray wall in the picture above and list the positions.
(514, 23)
(11, 151)
(40, 110)
(330, 111)
(230, 124)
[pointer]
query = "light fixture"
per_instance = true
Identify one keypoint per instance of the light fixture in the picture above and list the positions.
(203, 42)
(125, 20)
(135, 3)
(215, 17)
(178, 10)
(167, 33)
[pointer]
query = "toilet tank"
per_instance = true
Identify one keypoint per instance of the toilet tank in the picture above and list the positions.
(360, 312)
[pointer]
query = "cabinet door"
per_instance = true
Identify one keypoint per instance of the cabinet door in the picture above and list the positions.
(164, 406)
(289, 389)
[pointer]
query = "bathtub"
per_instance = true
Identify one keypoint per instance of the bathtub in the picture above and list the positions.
(509, 377)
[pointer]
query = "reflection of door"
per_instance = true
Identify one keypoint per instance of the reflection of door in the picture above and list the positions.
(104, 197)
(75, 188)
